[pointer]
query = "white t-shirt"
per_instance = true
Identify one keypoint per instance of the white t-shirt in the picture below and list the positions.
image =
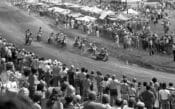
(113, 84)
(11, 85)
(164, 94)
(126, 107)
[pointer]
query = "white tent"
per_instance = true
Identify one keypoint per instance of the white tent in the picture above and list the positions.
(91, 9)
(32, 1)
(86, 19)
(131, 11)
(60, 10)
(96, 10)
(122, 17)
(106, 13)
(75, 6)
(75, 15)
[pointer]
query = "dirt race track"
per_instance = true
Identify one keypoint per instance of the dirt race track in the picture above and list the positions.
(14, 22)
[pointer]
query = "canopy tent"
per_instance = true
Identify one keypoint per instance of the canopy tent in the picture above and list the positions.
(131, 11)
(152, 4)
(92, 9)
(96, 10)
(66, 12)
(85, 8)
(86, 19)
(104, 14)
(56, 4)
(120, 17)
(60, 10)
(39, 4)
(55, 9)
(72, 5)
(32, 1)
(75, 15)
(68, 4)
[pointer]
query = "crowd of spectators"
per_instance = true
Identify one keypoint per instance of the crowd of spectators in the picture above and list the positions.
(135, 33)
(138, 33)
(28, 81)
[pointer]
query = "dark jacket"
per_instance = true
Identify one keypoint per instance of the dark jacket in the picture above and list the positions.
(148, 98)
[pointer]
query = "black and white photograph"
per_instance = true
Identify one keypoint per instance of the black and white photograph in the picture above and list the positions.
(87, 54)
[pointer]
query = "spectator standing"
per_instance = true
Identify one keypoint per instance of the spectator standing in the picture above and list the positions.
(113, 89)
(81, 76)
(117, 40)
(150, 45)
(132, 91)
(124, 90)
(86, 86)
(148, 98)
(71, 75)
(77, 81)
(99, 79)
(164, 96)
(172, 97)
(97, 33)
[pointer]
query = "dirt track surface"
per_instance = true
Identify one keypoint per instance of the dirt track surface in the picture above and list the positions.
(13, 23)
